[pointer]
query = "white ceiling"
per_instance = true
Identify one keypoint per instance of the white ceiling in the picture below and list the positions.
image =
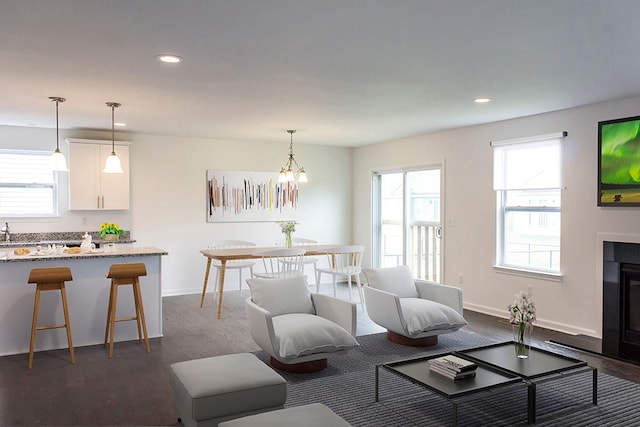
(341, 72)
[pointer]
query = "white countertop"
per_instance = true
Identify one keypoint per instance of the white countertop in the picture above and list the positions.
(121, 251)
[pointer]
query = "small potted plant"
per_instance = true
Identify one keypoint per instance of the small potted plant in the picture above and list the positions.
(110, 231)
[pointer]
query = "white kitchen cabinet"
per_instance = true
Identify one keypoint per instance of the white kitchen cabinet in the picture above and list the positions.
(89, 187)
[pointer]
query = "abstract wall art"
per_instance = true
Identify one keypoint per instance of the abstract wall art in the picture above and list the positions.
(236, 196)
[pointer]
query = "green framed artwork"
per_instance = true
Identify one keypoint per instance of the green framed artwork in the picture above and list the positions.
(619, 162)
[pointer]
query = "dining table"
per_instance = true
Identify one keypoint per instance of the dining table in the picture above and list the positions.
(230, 254)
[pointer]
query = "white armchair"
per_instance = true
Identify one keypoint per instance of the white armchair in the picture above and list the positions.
(414, 312)
(299, 330)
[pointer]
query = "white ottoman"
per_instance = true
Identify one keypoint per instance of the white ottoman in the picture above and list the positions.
(211, 390)
(314, 415)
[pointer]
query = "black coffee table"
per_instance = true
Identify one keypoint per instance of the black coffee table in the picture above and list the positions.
(498, 367)
(417, 371)
(541, 366)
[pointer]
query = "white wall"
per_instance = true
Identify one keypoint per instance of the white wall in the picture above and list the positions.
(572, 305)
(168, 196)
(169, 199)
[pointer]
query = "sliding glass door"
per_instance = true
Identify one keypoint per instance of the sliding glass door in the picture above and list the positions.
(407, 229)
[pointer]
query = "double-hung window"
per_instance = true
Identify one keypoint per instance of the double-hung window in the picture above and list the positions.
(27, 184)
(528, 179)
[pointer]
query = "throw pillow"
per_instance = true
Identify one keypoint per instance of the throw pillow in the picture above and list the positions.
(282, 296)
(395, 280)
(423, 315)
(304, 334)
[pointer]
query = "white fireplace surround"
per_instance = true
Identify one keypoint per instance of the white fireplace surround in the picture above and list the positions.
(600, 239)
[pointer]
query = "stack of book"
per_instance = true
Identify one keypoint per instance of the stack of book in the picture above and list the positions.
(453, 367)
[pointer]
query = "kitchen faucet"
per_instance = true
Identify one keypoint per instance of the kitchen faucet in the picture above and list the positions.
(5, 230)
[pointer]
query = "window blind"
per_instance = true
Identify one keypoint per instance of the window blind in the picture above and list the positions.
(27, 184)
(528, 163)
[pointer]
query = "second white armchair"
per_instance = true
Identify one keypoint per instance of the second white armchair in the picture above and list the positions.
(414, 312)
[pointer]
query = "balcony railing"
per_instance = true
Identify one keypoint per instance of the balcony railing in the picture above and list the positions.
(424, 248)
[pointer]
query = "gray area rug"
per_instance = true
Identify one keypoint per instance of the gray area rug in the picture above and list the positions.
(347, 387)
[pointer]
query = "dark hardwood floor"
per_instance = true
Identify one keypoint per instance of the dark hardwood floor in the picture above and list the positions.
(133, 388)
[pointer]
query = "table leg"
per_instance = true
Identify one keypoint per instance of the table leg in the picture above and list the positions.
(377, 382)
(223, 263)
(594, 384)
(531, 403)
(206, 279)
(455, 414)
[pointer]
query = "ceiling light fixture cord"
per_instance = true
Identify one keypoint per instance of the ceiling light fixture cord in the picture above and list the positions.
(113, 106)
(58, 162)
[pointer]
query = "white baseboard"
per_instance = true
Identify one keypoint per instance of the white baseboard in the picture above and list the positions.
(177, 292)
(554, 326)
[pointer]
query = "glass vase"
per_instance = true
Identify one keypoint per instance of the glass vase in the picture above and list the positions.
(522, 339)
(287, 240)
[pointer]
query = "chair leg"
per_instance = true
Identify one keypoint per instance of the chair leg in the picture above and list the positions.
(137, 291)
(240, 279)
(360, 290)
(67, 324)
(334, 285)
(112, 323)
(136, 304)
(349, 285)
(318, 274)
(215, 286)
(106, 329)
(34, 324)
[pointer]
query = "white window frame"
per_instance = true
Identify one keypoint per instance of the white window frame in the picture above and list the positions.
(552, 183)
(53, 185)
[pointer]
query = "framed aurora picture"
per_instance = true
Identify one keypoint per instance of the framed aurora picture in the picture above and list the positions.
(619, 162)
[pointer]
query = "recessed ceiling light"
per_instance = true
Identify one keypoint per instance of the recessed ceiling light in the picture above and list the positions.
(119, 124)
(166, 57)
(482, 100)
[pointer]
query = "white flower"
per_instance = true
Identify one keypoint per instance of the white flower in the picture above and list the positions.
(523, 309)
(287, 226)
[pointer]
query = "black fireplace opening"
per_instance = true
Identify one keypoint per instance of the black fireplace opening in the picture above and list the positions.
(621, 301)
(630, 312)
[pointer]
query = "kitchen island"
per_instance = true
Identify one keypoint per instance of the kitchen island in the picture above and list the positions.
(87, 295)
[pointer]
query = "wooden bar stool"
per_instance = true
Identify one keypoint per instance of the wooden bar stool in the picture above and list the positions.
(125, 274)
(50, 279)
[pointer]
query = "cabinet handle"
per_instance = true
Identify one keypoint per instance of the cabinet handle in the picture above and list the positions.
(102, 202)
(98, 197)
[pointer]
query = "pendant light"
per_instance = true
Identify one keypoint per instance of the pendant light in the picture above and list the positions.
(112, 165)
(57, 160)
(286, 172)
